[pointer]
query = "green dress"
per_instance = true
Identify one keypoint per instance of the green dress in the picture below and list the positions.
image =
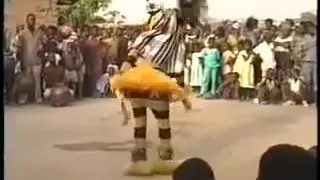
(211, 74)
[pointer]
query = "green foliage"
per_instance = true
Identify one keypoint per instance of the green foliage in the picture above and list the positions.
(81, 12)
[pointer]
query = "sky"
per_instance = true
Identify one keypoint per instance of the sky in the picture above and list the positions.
(135, 10)
(276, 9)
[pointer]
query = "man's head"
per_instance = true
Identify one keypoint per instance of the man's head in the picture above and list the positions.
(285, 29)
(295, 72)
(31, 21)
(268, 23)
(95, 30)
(193, 168)
(268, 36)
(61, 21)
(52, 31)
(85, 30)
(220, 31)
(285, 161)
(271, 74)
(299, 30)
(251, 23)
(245, 44)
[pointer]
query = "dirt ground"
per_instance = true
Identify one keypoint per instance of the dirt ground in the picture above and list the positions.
(87, 142)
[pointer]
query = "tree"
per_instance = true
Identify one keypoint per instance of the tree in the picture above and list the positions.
(81, 11)
(115, 17)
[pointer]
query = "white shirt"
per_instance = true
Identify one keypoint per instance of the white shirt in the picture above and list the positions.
(295, 85)
(288, 39)
(266, 53)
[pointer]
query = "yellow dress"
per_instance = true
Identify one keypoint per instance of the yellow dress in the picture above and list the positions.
(243, 66)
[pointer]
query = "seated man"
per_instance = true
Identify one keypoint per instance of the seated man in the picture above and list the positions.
(56, 92)
(268, 89)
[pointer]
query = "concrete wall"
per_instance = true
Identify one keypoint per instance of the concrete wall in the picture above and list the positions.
(18, 9)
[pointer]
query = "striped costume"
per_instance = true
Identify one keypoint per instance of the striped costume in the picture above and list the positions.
(162, 45)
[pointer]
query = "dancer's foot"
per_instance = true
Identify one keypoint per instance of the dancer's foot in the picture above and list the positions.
(165, 167)
(165, 164)
(200, 95)
(140, 168)
(139, 165)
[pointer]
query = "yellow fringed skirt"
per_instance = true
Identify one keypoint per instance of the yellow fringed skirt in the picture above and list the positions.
(146, 82)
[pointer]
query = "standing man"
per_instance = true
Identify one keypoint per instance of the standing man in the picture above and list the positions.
(29, 44)
(309, 63)
(113, 47)
(122, 47)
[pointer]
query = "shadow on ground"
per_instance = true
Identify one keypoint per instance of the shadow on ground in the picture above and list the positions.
(98, 146)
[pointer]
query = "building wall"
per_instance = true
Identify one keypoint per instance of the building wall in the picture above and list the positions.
(16, 11)
(197, 10)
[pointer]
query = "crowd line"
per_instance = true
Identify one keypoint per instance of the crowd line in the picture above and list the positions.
(269, 64)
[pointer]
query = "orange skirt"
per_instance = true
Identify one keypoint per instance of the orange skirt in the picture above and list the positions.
(146, 82)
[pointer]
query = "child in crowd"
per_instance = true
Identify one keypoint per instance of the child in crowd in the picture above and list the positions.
(244, 67)
(212, 63)
(229, 89)
(103, 84)
(296, 89)
(264, 51)
(228, 58)
(268, 89)
(196, 66)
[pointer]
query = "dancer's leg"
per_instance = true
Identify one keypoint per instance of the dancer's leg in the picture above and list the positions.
(140, 116)
(139, 165)
(165, 164)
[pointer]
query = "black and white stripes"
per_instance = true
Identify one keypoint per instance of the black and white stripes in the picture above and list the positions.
(161, 45)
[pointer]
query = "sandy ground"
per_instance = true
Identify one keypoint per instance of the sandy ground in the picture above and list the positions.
(87, 142)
